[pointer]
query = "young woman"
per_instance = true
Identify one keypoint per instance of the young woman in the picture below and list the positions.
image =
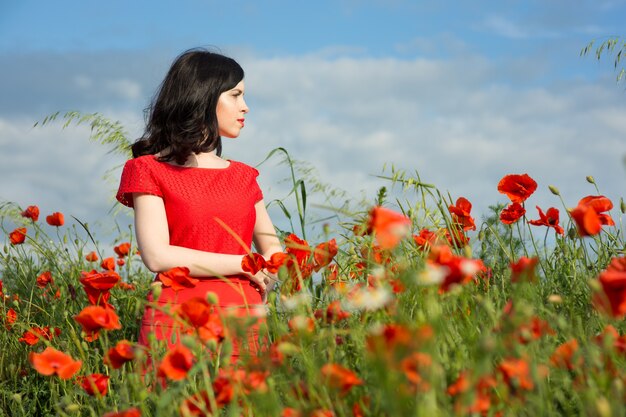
(192, 208)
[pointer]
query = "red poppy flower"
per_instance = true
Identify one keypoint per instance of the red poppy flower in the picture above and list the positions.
(565, 355)
(131, 412)
(35, 334)
(600, 204)
(126, 286)
(91, 257)
(612, 300)
(55, 219)
(461, 214)
(589, 215)
(460, 385)
(425, 239)
(120, 354)
(333, 313)
(299, 248)
(414, 366)
(324, 253)
(199, 404)
(458, 270)
(44, 279)
(534, 330)
(177, 278)
(388, 226)
(277, 260)
(456, 238)
(524, 269)
(98, 284)
(31, 212)
(176, 363)
(290, 412)
(322, 413)
(95, 318)
(122, 250)
(94, 384)
(301, 324)
(18, 236)
(108, 264)
(339, 377)
(516, 374)
(10, 318)
(253, 263)
(512, 213)
(517, 187)
(549, 219)
(204, 319)
(120, 262)
(52, 361)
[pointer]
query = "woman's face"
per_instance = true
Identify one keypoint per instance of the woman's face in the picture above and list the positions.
(230, 111)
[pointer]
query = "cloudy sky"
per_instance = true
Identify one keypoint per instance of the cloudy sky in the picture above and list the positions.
(460, 93)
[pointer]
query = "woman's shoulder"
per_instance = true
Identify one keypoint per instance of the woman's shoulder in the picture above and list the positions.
(243, 167)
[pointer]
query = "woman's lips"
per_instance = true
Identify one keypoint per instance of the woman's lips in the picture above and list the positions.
(241, 121)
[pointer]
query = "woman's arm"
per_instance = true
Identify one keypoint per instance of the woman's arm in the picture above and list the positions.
(265, 240)
(157, 253)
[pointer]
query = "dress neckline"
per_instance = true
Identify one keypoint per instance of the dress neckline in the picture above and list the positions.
(230, 164)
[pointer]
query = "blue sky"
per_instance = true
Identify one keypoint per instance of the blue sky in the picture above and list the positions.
(462, 92)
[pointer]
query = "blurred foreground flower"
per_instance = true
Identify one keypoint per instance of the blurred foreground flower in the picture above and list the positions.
(388, 226)
(589, 215)
(52, 361)
(339, 377)
(94, 384)
(612, 299)
(131, 412)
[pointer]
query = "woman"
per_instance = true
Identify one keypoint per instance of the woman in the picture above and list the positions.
(192, 208)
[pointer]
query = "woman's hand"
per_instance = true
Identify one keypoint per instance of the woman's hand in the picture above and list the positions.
(264, 281)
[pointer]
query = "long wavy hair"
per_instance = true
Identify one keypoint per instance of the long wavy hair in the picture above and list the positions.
(181, 119)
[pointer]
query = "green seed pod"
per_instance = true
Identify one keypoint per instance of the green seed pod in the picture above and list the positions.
(603, 407)
(622, 205)
(212, 298)
(590, 179)
(157, 288)
(17, 398)
(554, 190)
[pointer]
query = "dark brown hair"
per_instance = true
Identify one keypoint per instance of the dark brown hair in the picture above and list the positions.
(181, 118)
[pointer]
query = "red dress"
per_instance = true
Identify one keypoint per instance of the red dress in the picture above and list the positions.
(194, 198)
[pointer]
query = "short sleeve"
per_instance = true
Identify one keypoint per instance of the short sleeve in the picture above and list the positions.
(258, 194)
(137, 177)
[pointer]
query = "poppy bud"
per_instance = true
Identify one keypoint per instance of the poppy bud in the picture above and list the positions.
(157, 288)
(212, 298)
(71, 408)
(17, 398)
(590, 179)
(211, 344)
(603, 407)
(622, 205)
(189, 341)
(594, 284)
(554, 190)
(287, 348)
(555, 299)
